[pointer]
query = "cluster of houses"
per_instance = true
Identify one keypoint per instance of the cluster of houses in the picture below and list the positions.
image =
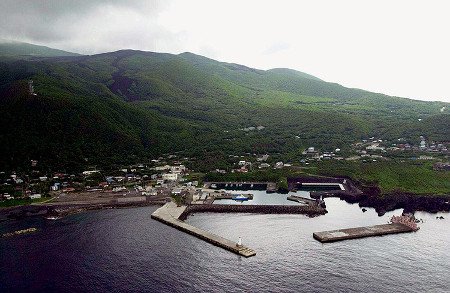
(422, 146)
(35, 185)
(312, 154)
(379, 149)
(148, 180)
(441, 166)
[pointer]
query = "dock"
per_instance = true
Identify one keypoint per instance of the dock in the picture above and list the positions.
(267, 186)
(170, 213)
(301, 199)
(230, 196)
(361, 232)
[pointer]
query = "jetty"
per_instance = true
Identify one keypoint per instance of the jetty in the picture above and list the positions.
(170, 213)
(361, 232)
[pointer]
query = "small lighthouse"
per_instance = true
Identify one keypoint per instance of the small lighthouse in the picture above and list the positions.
(239, 243)
(31, 87)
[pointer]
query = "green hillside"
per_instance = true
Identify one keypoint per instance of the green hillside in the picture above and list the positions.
(131, 105)
(13, 48)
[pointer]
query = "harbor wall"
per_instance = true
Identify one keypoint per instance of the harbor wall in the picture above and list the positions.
(309, 210)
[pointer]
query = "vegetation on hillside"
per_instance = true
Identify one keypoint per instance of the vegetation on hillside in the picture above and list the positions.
(129, 105)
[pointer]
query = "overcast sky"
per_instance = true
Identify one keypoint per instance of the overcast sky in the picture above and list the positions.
(395, 47)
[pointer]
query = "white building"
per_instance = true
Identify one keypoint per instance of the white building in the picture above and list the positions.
(178, 169)
(170, 177)
(35, 196)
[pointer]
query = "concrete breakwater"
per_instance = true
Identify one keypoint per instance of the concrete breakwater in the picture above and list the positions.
(173, 215)
(170, 213)
(360, 232)
(309, 210)
(20, 232)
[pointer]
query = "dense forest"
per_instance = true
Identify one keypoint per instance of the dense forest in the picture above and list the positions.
(128, 106)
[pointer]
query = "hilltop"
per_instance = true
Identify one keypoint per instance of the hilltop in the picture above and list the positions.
(14, 49)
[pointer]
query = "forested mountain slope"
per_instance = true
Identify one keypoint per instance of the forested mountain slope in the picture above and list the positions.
(130, 105)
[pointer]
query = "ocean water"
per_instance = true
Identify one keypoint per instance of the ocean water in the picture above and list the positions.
(124, 250)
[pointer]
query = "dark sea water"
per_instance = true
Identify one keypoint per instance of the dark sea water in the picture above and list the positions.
(124, 250)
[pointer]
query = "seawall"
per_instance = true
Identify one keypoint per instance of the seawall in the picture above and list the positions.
(309, 210)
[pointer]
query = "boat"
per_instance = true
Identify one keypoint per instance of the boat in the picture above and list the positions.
(239, 197)
(52, 218)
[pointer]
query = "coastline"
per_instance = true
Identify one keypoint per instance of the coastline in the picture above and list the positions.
(372, 197)
(65, 209)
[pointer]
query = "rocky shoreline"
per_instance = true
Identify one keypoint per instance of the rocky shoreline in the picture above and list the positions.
(372, 197)
(62, 210)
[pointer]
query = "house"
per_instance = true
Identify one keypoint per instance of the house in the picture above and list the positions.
(55, 186)
(176, 191)
(423, 157)
(279, 165)
(88, 173)
(442, 166)
(263, 158)
(178, 169)
(264, 165)
(7, 196)
(162, 168)
(170, 177)
(35, 196)
(375, 147)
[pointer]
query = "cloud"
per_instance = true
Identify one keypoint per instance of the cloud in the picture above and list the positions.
(86, 26)
(277, 48)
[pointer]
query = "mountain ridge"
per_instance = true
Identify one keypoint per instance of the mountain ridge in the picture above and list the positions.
(15, 48)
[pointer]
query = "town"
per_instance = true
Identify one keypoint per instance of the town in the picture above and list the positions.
(167, 176)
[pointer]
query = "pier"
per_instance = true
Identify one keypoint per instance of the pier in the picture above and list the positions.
(170, 213)
(361, 232)
(301, 199)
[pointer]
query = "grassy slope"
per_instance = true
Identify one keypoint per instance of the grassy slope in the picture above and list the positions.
(391, 176)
